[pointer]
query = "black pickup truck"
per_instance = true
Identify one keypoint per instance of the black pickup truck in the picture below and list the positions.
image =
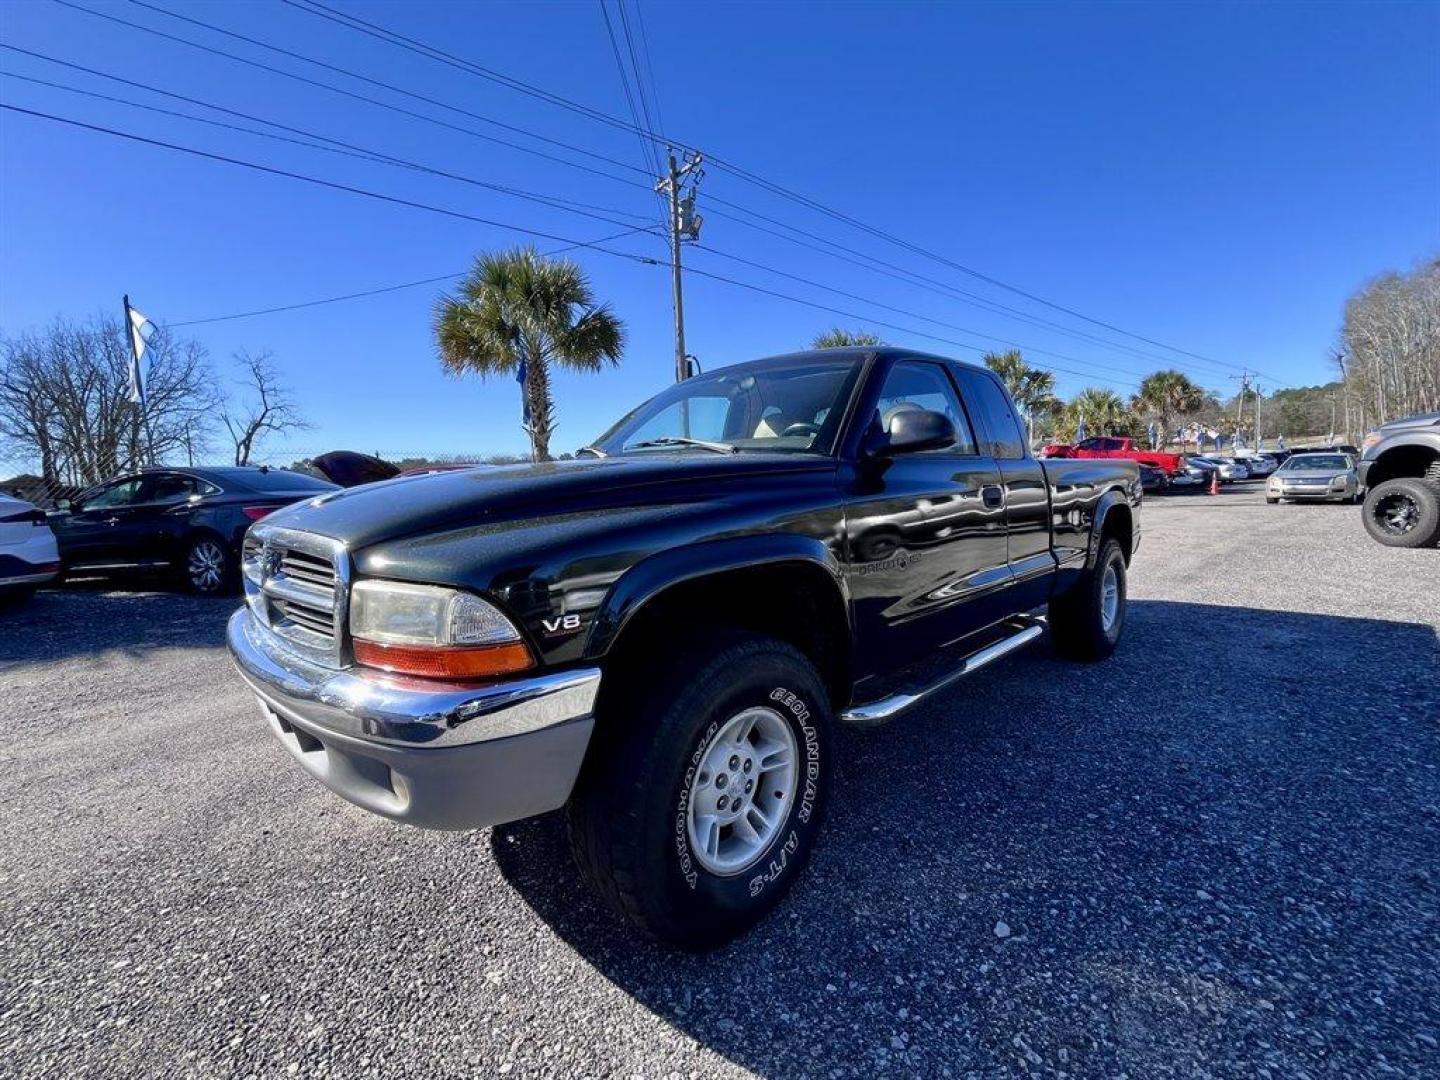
(660, 636)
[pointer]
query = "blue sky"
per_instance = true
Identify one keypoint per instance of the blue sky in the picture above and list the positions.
(1216, 177)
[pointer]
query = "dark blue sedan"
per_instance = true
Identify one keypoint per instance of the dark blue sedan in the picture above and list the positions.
(187, 522)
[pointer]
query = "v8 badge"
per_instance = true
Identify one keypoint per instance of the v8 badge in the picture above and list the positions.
(561, 624)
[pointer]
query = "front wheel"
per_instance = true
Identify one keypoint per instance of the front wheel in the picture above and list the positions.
(703, 794)
(208, 566)
(1403, 513)
(1086, 622)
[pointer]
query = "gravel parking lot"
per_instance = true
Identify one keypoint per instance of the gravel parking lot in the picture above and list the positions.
(1216, 855)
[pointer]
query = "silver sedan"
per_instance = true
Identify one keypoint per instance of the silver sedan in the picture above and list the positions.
(1331, 477)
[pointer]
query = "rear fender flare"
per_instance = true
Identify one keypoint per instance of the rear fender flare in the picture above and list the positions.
(1108, 504)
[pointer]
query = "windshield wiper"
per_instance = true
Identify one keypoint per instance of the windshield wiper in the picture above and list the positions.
(591, 450)
(682, 440)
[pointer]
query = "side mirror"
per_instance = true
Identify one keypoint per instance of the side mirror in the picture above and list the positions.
(914, 430)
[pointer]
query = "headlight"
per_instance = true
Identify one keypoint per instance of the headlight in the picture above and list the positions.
(1338, 481)
(1370, 440)
(431, 631)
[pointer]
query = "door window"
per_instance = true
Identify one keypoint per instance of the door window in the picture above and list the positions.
(997, 415)
(171, 488)
(915, 384)
(120, 493)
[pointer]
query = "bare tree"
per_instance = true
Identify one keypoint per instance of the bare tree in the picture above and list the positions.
(270, 407)
(64, 399)
(1390, 362)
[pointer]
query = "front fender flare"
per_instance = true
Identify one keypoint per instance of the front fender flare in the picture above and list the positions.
(649, 578)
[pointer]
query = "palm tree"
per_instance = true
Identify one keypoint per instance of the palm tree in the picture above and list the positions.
(1168, 394)
(1032, 388)
(843, 339)
(517, 313)
(1011, 368)
(1102, 410)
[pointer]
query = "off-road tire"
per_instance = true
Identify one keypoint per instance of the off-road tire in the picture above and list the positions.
(628, 814)
(1078, 628)
(1423, 497)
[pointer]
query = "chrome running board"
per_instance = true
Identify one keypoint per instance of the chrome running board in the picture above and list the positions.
(1026, 630)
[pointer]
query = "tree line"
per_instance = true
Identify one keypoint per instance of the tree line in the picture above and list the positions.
(65, 402)
(1389, 357)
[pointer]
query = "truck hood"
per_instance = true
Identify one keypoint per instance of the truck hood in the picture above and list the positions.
(408, 506)
(1420, 420)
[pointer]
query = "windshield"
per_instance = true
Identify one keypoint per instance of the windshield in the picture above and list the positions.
(794, 406)
(1317, 461)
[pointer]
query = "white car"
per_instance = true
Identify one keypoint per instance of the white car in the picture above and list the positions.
(28, 555)
(1230, 468)
(1260, 464)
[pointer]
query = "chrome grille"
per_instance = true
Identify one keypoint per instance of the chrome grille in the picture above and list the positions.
(296, 584)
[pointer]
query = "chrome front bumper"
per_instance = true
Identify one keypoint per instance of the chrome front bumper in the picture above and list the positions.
(429, 754)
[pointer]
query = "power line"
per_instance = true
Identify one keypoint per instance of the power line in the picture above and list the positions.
(353, 150)
(911, 314)
(373, 101)
(395, 38)
(334, 185)
(445, 211)
(930, 284)
(376, 292)
(640, 90)
(343, 148)
(649, 68)
(933, 284)
(648, 152)
(381, 84)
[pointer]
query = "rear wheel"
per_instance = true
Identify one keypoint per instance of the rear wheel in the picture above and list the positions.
(703, 794)
(208, 566)
(1403, 513)
(1086, 622)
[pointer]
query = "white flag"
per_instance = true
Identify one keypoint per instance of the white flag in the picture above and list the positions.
(138, 326)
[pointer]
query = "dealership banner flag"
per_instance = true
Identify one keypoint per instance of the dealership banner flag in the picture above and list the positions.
(140, 329)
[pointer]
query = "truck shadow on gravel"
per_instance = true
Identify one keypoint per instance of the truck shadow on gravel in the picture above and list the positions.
(91, 618)
(1213, 853)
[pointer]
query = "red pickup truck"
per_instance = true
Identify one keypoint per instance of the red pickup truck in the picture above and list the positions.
(1115, 447)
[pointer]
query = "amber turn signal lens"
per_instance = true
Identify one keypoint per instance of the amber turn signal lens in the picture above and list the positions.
(446, 661)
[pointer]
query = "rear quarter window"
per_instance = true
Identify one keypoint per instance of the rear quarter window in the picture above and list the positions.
(1001, 428)
(276, 481)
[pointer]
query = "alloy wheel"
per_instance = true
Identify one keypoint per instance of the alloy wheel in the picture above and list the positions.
(1396, 513)
(1109, 598)
(741, 792)
(206, 566)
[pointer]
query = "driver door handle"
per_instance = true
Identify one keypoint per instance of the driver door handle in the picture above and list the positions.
(993, 496)
(111, 521)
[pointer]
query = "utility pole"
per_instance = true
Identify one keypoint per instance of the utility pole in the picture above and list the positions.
(684, 225)
(1257, 417)
(1244, 378)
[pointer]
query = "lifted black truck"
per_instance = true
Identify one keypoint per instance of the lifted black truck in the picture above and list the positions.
(660, 637)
